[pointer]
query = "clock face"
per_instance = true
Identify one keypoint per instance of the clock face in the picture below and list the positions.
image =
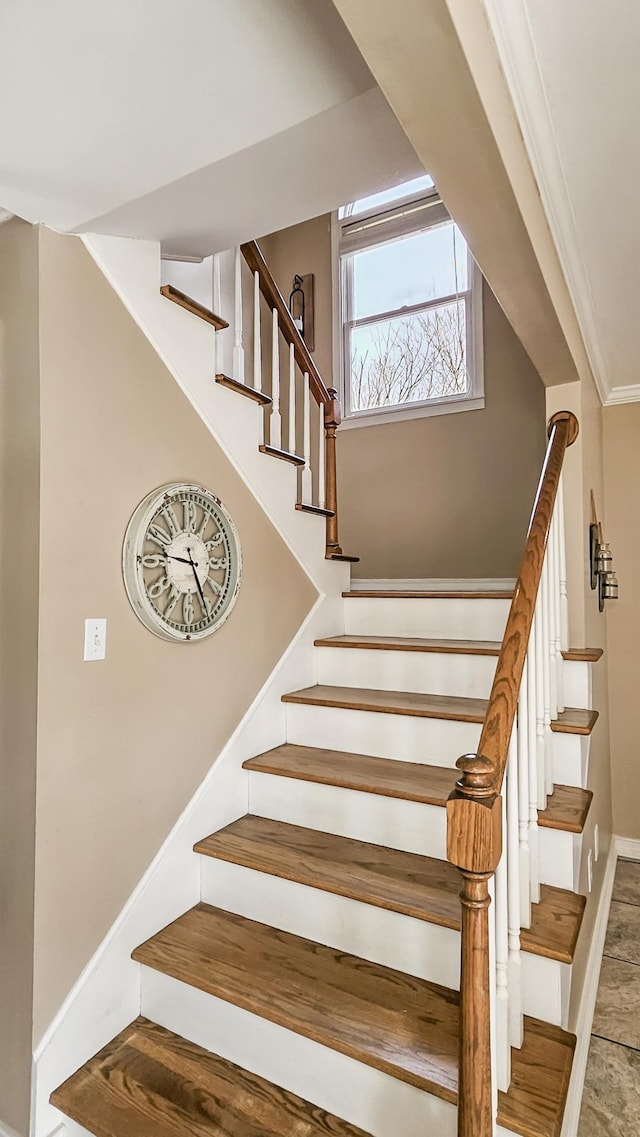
(181, 562)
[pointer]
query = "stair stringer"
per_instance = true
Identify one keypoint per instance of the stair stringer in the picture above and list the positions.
(186, 347)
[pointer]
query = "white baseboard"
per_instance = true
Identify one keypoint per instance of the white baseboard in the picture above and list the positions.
(589, 995)
(434, 584)
(628, 847)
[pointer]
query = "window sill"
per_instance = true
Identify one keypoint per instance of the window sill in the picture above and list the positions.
(402, 413)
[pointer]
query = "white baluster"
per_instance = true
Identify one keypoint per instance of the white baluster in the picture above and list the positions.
(217, 305)
(257, 334)
(307, 478)
(546, 661)
(503, 1039)
(523, 800)
(513, 891)
(275, 422)
(322, 500)
(534, 787)
(558, 611)
(540, 731)
(238, 349)
(292, 399)
(550, 564)
(564, 597)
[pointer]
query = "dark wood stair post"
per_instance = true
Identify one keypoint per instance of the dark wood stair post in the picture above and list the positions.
(332, 420)
(474, 844)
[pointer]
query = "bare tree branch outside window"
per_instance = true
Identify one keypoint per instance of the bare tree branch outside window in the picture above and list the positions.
(410, 358)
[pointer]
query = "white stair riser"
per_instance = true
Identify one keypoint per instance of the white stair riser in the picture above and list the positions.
(545, 989)
(436, 618)
(576, 675)
(406, 737)
(350, 1089)
(570, 759)
(388, 938)
(392, 822)
(425, 672)
(560, 858)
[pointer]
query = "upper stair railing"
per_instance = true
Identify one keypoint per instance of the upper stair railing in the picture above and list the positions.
(489, 835)
(270, 360)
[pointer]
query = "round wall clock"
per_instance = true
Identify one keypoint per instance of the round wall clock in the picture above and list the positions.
(181, 562)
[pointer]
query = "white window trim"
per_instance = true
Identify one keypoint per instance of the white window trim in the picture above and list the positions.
(450, 404)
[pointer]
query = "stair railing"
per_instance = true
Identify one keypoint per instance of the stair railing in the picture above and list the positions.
(279, 356)
(489, 835)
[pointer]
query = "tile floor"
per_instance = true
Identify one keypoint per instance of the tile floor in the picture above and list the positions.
(611, 1101)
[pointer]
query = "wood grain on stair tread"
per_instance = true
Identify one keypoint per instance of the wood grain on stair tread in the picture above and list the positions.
(193, 306)
(391, 702)
(436, 594)
(285, 455)
(574, 720)
(423, 887)
(583, 654)
(243, 389)
(540, 1072)
(567, 809)
(149, 1081)
(384, 1018)
(318, 510)
(398, 643)
(410, 781)
(555, 924)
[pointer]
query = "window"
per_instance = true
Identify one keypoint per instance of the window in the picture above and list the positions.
(408, 308)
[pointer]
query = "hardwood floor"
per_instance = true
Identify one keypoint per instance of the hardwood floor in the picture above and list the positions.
(149, 1082)
(540, 1072)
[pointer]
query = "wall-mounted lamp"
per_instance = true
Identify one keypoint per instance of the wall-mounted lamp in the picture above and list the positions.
(301, 306)
(601, 562)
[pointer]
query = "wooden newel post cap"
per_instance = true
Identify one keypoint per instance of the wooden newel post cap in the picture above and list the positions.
(332, 409)
(568, 417)
(478, 776)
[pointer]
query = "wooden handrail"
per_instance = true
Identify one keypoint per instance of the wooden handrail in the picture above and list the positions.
(253, 255)
(474, 809)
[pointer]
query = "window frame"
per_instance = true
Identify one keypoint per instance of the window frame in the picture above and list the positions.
(352, 234)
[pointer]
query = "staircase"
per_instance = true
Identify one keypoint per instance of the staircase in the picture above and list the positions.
(322, 964)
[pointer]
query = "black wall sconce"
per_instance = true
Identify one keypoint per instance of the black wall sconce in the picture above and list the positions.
(301, 306)
(601, 562)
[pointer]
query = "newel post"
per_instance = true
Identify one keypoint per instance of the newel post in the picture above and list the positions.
(332, 420)
(474, 844)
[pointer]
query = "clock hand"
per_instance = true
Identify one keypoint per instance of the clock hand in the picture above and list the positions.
(200, 592)
(183, 560)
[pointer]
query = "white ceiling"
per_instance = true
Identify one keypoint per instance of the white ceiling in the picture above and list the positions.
(164, 119)
(573, 72)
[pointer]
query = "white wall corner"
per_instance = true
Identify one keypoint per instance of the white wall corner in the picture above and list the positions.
(589, 996)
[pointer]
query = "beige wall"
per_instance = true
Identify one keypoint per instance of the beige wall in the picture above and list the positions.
(124, 743)
(451, 494)
(622, 494)
(19, 521)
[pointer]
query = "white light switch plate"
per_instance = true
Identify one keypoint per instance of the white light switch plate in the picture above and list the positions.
(95, 640)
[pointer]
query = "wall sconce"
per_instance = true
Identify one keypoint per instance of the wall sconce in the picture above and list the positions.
(301, 306)
(601, 562)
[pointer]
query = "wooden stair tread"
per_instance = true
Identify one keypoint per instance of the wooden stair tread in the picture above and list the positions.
(394, 1022)
(391, 702)
(150, 1081)
(317, 509)
(412, 643)
(411, 781)
(243, 389)
(455, 707)
(193, 306)
(384, 1018)
(567, 808)
(574, 720)
(436, 594)
(583, 654)
(423, 887)
(285, 455)
(343, 557)
(540, 1072)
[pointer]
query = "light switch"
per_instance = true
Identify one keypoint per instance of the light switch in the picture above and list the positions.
(95, 640)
